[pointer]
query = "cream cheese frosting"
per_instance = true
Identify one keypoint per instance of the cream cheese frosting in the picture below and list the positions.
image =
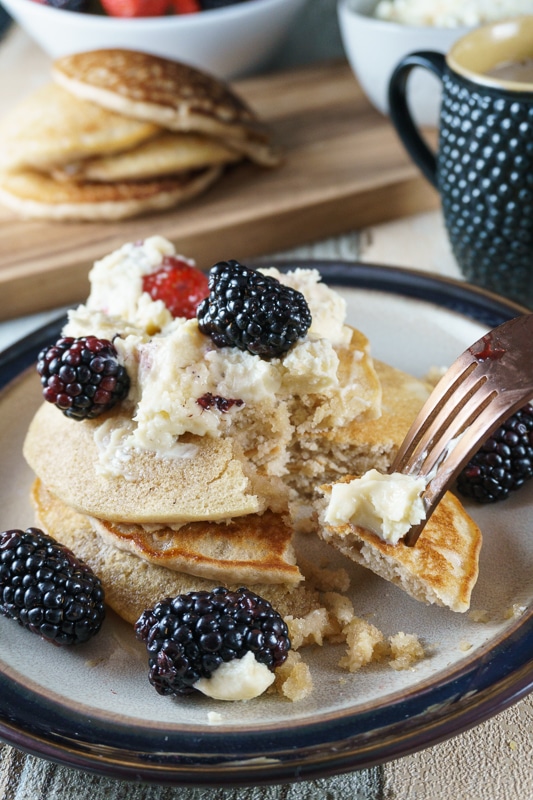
(173, 367)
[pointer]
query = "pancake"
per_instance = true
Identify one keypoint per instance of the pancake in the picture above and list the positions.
(207, 483)
(168, 93)
(51, 127)
(36, 195)
(251, 549)
(366, 442)
(131, 584)
(243, 468)
(165, 154)
(443, 566)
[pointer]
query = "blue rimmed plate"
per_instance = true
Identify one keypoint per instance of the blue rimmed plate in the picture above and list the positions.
(92, 706)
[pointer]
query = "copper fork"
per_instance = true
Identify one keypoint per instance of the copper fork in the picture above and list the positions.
(491, 380)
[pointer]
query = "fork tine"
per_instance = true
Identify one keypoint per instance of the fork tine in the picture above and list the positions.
(454, 459)
(452, 383)
(483, 387)
(448, 424)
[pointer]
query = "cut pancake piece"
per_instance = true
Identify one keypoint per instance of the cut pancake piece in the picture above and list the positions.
(442, 568)
(167, 93)
(36, 195)
(202, 480)
(365, 443)
(50, 127)
(165, 154)
(132, 585)
(251, 549)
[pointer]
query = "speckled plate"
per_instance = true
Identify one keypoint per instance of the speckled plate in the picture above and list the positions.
(92, 706)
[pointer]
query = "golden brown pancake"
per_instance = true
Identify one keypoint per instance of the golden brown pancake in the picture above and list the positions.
(366, 443)
(208, 483)
(243, 471)
(37, 195)
(51, 127)
(251, 549)
(165, 154)
(168, 93)
(443, 566)
(132, 584)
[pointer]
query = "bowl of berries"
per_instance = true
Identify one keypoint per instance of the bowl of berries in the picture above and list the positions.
(228, 38)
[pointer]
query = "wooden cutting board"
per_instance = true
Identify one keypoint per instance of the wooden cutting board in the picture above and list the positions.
(344, 169)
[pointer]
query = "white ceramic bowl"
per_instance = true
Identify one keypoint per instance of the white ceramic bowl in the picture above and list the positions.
(228, 42)
(374, 47)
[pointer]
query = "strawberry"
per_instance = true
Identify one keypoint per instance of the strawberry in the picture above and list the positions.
(179, 285)
(136, 8)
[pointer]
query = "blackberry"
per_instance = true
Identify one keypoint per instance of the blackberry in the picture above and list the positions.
(47, 589)
(208, 5)
(251, 311)
(503, 463)
(68, 5)
(82, 377)
(189, 636)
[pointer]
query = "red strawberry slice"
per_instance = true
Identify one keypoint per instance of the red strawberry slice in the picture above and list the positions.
(179, 285)
(136, 8)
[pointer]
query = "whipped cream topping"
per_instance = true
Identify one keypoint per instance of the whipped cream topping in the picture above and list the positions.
(116, 283)
(172, 365)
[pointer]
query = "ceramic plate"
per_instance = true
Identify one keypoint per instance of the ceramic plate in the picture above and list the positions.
(92, 706)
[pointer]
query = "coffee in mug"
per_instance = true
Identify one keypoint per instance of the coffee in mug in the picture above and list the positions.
(519, 71)
(483, 168)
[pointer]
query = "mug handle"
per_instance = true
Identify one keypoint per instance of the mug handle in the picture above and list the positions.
(400, 114)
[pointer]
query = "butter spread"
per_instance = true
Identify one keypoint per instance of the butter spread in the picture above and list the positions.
(387, 505)
(239, 679)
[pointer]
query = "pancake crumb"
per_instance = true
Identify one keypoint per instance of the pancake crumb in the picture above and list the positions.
(405, 650)
(313, 628)
(363, 640)
(366, 644)
(479, 615)
(324, 578)
(293, 678)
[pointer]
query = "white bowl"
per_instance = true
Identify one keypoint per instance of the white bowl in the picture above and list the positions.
(228, 42)
(374, 47)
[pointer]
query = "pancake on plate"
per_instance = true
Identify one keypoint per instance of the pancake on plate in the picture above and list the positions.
(322, 456)
(193, 478)
(207, 483)
(133, 584)
(442, 567)
(250, 549)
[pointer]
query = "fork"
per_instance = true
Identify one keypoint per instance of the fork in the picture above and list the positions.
(491, 380)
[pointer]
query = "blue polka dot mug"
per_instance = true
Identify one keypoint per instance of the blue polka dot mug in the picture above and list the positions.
(483, 169)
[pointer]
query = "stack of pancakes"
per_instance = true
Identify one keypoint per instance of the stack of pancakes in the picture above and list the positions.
(115, 524)
(118, 133)
(222, 513)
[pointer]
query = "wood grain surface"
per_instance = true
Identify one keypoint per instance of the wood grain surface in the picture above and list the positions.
(344, 169)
